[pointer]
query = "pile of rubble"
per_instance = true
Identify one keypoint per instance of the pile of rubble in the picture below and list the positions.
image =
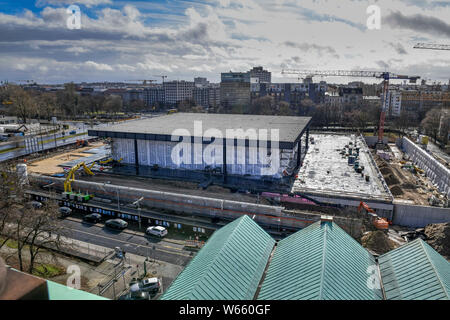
(377, 242)
(436, 235)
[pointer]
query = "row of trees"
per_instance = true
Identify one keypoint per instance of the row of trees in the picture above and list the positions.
(27, 104)
(28, 228)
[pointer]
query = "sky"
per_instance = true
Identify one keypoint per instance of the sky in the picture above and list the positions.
(183, 39)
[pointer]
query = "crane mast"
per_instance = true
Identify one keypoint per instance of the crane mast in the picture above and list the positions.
(386, 76)
(432, 46)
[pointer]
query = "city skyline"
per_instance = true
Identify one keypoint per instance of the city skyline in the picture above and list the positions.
(122, 40)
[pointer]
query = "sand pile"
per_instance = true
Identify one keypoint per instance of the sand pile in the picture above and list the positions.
(377, 241)
(396, 191)
(438, 236)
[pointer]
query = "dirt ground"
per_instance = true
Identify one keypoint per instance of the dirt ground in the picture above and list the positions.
(52, 164)
(403, 184)
(378, 242)
(438, 236)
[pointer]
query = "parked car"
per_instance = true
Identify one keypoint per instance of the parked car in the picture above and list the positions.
(73, 132)
(34, 204)
(156, 231)
(140, 295)
(65, 211)
(147, 285)
(93, 217)
(116, 224)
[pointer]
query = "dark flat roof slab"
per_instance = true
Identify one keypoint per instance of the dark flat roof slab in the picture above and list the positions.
(162, 128)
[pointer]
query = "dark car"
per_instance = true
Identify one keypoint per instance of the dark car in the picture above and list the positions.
(135, 296)
(65, 211)
(116, 224)
(93, 217)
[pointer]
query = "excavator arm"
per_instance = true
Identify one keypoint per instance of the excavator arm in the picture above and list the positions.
(71, 175)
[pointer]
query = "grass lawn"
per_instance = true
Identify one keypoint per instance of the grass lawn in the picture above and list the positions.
(10, 243)
(48, 270)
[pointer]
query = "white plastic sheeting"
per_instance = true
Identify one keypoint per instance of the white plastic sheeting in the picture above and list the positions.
(326, 170)
(435, 170)
(173, 155)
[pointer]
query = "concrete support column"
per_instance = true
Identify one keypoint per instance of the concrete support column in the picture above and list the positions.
(224, 167)
(307, 140)
(299, 153)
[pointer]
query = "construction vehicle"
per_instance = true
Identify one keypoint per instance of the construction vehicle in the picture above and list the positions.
(386, 76)
(110, 160)
(68, 193)
(378, 223)
(82, 143)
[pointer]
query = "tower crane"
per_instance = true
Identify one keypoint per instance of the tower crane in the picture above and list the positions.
(162, 76)
(386, 76)
(432, 46)
(144, 82)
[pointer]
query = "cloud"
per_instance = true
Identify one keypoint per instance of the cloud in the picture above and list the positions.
(312, 46)
(419, 23)
(398, 47)
(205, 38)
(87, 3)
(98, 66)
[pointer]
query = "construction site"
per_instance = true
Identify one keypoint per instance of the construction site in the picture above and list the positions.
(337, 174)
(378, 199)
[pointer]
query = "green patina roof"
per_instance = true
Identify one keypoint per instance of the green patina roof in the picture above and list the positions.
(228, 267)
(320, 262)
(58, 291)
(415, 271)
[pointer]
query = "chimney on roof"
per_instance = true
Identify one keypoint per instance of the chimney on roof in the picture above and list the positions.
(325, 218)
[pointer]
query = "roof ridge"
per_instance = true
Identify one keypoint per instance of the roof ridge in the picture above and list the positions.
(218, 252)
(324, 259)
(438, 275)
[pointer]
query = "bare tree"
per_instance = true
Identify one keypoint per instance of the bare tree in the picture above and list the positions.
(46, 103)
(263, 105)
(11, 193)
(36, 229)
(23, 105)
(431, 123)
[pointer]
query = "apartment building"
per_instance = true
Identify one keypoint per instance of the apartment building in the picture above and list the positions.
(176, 91)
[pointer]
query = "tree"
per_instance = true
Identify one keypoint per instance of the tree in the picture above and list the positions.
(263, 105)
(35, 229)
(306, 107)
(11, 192)
(284, 109)
(113, 104)
(431, 123)
(68, 100)
(23, 105)
(186, 105)
(46, 103)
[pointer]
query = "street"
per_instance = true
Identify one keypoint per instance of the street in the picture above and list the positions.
(154, 248)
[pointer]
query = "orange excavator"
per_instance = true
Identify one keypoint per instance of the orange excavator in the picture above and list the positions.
(379, 223)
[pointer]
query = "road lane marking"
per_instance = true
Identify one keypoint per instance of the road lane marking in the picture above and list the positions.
(135, 244)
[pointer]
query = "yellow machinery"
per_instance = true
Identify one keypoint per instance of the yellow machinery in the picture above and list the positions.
(107, 161)
(71, 177)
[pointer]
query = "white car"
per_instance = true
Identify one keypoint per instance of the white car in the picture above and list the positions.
(146, 285)
(157, 231)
